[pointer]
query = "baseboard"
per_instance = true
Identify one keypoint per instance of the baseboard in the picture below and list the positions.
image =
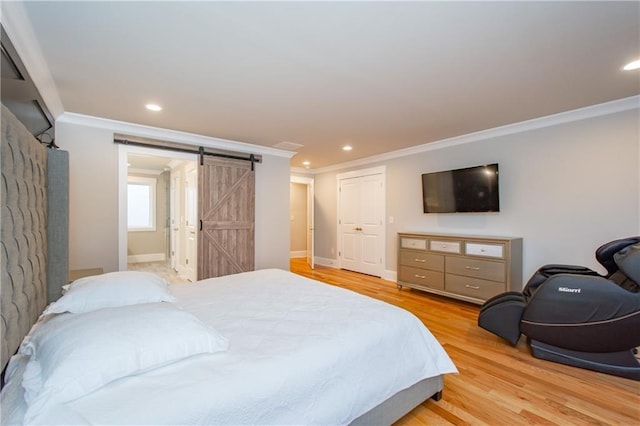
(333, 263)
(390, 275)
(151, 257)
(325, 261)
(299, 253)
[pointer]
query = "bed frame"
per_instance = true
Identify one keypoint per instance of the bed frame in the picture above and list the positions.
(34, 230)
(35, 252)
(394, 408)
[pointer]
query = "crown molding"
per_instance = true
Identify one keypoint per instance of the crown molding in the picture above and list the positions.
(361, 172)
(144, 171)
(301, 170)
(175, 163)
(20, 32)
(612, 107)
(301, 179)
(139, 130)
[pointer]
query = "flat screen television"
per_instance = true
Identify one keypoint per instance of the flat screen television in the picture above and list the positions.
(469, 190)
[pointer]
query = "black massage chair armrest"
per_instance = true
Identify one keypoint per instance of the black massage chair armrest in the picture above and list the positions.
(583, 313)
(547, 271)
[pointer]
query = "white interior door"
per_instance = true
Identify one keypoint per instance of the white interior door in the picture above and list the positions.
(174, 222)
(191, 223)
(349, 252)
(361, 224)
(371, 219)
(310, 225)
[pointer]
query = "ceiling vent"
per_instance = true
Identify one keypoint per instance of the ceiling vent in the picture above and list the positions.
(289, 146)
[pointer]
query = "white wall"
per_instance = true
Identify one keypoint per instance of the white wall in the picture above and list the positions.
(272, 213)
(93, 196)
(564, 189)
(95, 171)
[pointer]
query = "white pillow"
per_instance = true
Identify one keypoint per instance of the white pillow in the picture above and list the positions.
(72, 355)
(111, 290)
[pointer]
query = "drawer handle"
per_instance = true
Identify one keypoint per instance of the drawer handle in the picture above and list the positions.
(472, 268)
(419, 260)
(475, 287)
(420, 276)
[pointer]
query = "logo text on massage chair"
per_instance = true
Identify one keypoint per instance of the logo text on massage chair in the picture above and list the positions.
(569, 290)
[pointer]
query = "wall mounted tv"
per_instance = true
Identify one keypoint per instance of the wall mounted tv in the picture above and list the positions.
(469, 190)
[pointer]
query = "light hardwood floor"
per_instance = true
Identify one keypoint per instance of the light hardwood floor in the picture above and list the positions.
(160, 268)
(498, 384)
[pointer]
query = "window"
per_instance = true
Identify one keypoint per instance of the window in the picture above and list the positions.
(141, 204)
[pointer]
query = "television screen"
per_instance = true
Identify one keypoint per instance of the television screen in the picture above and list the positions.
(473, 189)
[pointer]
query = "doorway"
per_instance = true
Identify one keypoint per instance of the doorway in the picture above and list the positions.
(302, 219)
(215, 213)
(162, 247)
(361, 224)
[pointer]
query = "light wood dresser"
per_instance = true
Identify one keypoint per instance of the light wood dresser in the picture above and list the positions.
(469, 268)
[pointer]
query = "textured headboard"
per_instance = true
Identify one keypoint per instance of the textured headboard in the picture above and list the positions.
(23, 289)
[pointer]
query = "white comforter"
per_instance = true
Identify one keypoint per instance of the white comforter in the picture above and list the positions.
(301, 352)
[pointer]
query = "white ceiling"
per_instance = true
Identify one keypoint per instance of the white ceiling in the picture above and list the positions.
(379, 76)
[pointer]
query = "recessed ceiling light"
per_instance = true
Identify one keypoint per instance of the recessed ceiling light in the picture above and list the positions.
(306, 163)
(632, 65)
(153, 107)
(347, 148)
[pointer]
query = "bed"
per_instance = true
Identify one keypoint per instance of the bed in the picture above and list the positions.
(297, 352)
(262, 347)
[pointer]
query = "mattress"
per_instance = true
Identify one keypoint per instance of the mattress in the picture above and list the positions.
(300, 352)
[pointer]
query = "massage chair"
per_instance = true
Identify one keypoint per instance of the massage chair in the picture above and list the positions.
(575, 316)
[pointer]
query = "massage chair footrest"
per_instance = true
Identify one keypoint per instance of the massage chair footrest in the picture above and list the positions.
(501, 315)
(623, 364)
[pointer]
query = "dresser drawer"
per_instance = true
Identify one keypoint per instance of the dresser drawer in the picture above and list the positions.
(421, 277)
(445, 246)
(413, 243)
(477, 268)
(481, 249)
(473, 287)
(434, 262)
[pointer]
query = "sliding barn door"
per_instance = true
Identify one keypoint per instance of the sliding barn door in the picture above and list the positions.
(226, 192)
